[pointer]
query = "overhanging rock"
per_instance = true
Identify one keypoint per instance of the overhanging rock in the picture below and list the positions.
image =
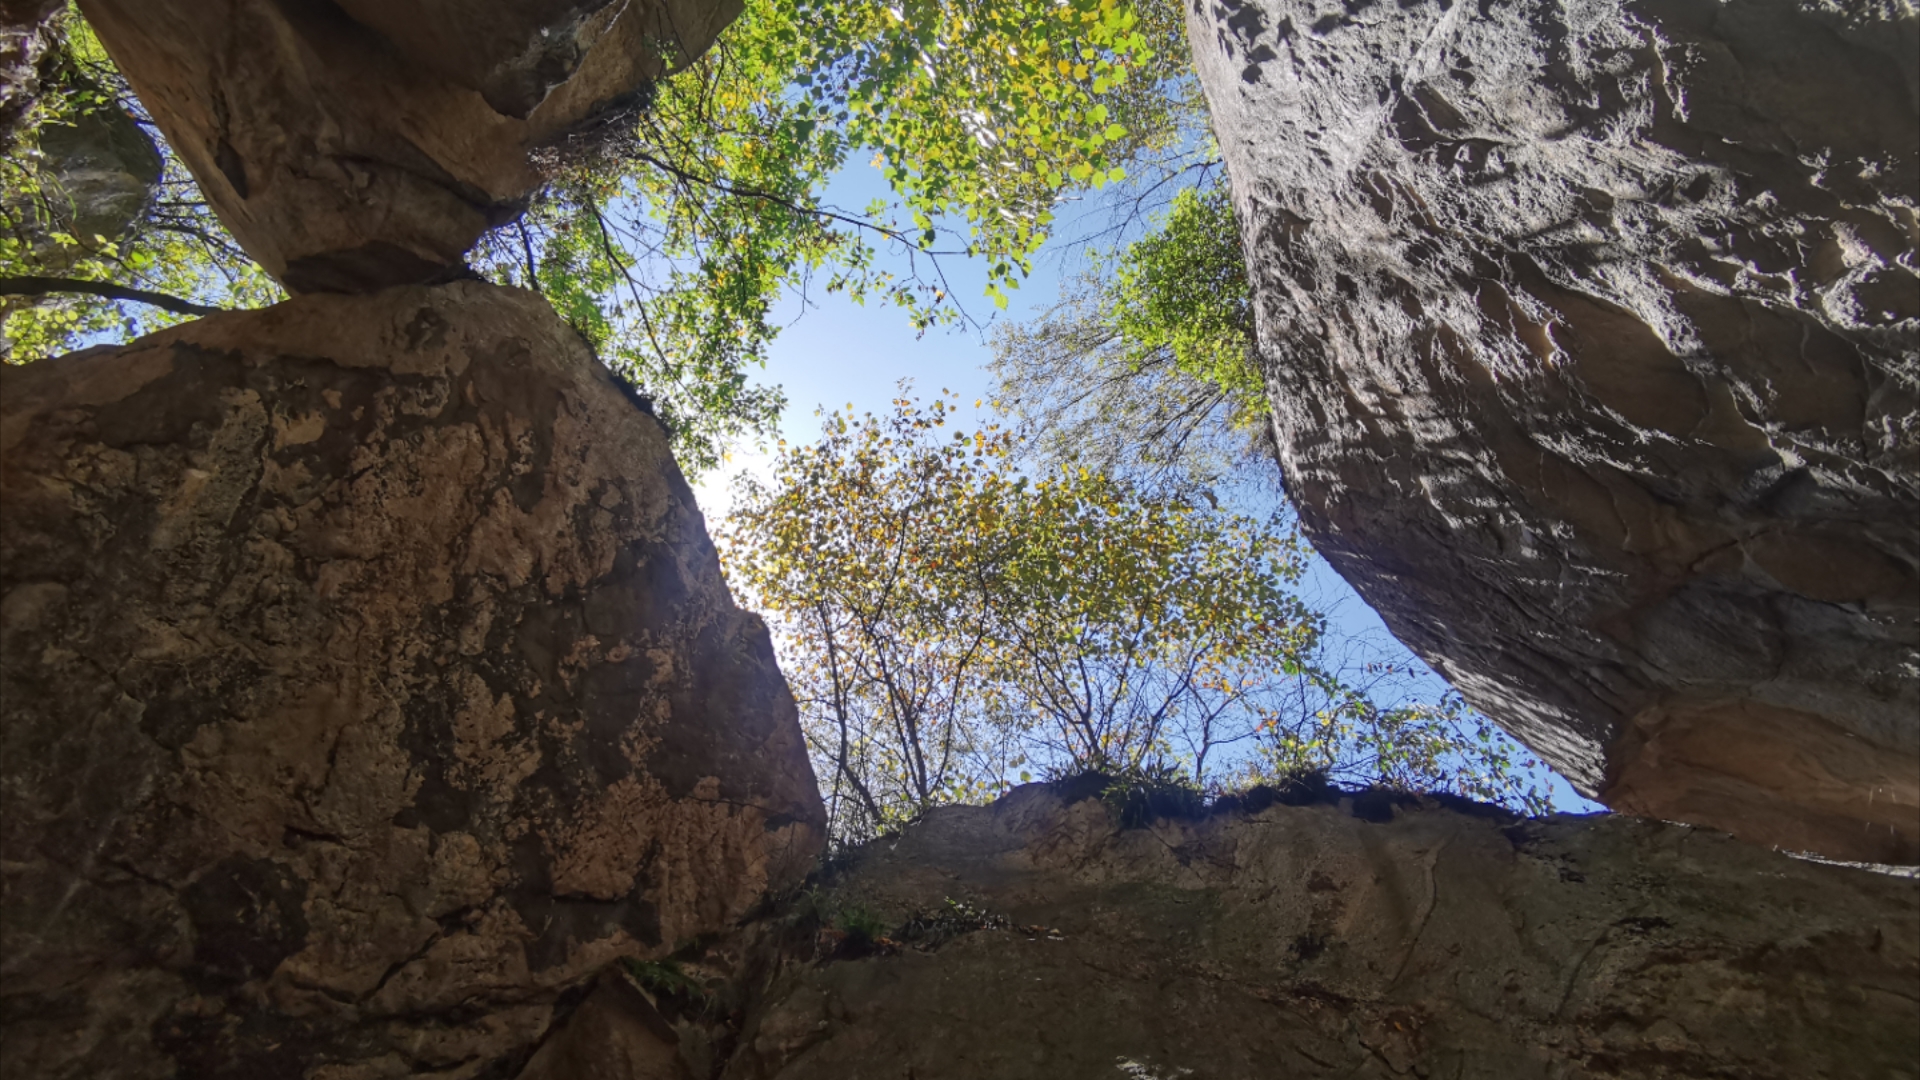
(1592, 332)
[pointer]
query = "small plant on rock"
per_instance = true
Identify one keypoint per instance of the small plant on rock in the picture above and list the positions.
(1141, 795)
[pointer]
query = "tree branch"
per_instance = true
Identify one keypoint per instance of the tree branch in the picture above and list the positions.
(526, 245)
(740, 191)
(40, 286)
(639, 305)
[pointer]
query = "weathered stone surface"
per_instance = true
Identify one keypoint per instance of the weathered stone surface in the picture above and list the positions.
(367, 143)
(369, 686)
(1309, 941)
(26, 39)
(1593, 336)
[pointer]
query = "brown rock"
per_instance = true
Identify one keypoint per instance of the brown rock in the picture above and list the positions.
(1593, 335)
(369, 686)
(1310, 942)
(353, 146)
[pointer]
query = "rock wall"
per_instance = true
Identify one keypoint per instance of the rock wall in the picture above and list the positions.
(1353, 939)
(367, 686)
(1592, 331)
(350, 146)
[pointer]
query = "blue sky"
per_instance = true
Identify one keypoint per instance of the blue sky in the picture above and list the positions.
(834, 353)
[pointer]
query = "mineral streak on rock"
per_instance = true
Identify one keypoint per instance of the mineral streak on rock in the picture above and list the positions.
(369, 685)
(355, 145)
(1592, 332)
(1320, 942)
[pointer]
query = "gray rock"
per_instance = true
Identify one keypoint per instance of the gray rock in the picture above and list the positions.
(1592, 331)
(97, 173)
(27, 40)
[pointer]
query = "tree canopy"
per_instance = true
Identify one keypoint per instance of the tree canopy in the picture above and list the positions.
(670, 244)
(1145, 368)
(951, 626)
(668, 235)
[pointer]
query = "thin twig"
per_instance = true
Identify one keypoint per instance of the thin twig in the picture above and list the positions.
(526, 245)
(606, 244)
(728, 188)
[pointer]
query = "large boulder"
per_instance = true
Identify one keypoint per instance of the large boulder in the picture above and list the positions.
(350, 146)
(1037, 939)
(369, 685)
(97, 174)
(1593, 337)
(89, 177)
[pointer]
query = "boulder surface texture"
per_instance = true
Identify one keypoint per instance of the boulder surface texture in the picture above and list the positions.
(369, 686)
(1592, 331)
(27, 39)
(365, 143)
(1035, 940)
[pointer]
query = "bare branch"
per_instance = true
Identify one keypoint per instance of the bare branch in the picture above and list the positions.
(42, 286)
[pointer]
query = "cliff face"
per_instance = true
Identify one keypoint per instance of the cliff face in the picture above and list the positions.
(355, 145)
(1037, 939)
(369, 685)
(1593, 338)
